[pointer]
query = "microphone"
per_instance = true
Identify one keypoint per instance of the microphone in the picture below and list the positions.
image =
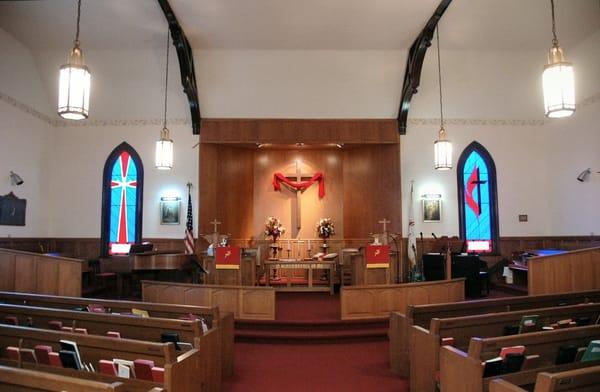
(434, 236)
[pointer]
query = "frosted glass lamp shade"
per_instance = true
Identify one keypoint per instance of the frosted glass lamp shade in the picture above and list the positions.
(559, 86)
(164, 151)
(74, 88)
(442, 152)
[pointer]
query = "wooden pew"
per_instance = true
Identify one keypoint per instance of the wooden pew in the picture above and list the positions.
(215, 318)
(578, 380)
(425, 344)
(23, 380)
(401, 322)
(181, 372)
(377, 301)
(137, 328)
(463, 371)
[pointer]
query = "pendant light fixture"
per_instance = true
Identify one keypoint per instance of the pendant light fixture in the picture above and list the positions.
(442, 148)
(74, 82)
(558, 80)
(164, 146)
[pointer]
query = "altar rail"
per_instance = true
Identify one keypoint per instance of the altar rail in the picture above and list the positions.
(40, 274)
(245, 302)
(377, 301)
(566, 272)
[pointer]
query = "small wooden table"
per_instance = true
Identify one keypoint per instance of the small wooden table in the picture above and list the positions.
(291, 264)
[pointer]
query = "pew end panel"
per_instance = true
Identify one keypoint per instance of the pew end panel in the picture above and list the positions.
(424, 358)
(187, 373)
(210, 358)
(459, 372)
(397, 334)
(500, 385)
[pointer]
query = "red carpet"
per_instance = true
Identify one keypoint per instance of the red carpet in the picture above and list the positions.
(314, 368)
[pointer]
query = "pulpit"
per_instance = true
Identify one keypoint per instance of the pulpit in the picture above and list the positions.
(374, 265)
(245, 275)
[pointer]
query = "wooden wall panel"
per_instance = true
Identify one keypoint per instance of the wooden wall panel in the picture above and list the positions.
(25, 274)
(290, 131)
(40, 274)
(572, 271)
(207, 184)
(364, 302)
(372, 189)
(257, 303)
(7, 272)
(282, 204)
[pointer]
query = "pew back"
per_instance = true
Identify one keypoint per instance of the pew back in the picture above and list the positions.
(215, 318)
(425, 344)
(21, 380)
(463, 372)
(577, 380)
(421, 315)
(181, 373)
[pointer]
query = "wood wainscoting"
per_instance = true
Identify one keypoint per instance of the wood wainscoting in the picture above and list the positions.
(377, 301)
(41, 274)
(245, 302)
(566, 272)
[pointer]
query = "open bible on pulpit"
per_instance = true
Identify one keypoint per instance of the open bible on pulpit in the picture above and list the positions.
(323, 256)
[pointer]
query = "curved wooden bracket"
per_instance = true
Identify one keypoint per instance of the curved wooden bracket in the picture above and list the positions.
(414, 64)
(186, 64)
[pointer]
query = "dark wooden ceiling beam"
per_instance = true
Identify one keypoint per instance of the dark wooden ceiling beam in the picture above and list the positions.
(186, 64)
(414, 64)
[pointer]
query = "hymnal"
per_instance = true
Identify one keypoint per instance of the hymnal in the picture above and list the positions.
(143, 369)
(592, 353)
(69, 360)
(68, 345)
(566, 354)
(42, 354)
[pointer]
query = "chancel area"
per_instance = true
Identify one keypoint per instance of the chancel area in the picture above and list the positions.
(303, 196)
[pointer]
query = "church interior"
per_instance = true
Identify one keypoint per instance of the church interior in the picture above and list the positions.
(398, 195)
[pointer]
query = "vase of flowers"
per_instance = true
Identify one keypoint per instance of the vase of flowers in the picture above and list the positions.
(274, 229)
(325, 229)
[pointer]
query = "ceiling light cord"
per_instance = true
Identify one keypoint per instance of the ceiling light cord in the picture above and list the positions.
(78, 19)
(166, 80)
(437, 35)
(555, 38)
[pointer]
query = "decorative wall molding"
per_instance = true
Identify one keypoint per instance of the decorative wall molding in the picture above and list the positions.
(25, 108)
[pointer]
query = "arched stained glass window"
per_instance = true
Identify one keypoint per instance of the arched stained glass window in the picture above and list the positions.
(122, 190)
(477, 195)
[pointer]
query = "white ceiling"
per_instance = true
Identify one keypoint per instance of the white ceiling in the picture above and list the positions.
(293, 24)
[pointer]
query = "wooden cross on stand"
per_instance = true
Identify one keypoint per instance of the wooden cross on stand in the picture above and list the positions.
(384, 222)
(215, 234)
(298, 176)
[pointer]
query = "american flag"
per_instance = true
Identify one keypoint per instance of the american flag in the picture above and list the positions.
(189, 227)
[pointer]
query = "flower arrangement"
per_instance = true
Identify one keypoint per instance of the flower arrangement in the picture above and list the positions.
(274, 228)
(325, 228)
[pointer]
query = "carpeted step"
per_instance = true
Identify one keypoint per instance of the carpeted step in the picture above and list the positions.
(306, 332)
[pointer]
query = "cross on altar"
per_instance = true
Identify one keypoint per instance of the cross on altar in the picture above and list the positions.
(215, 223)
(384, 222)
(298, 176)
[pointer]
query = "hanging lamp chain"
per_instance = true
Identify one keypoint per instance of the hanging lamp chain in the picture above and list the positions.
(554, 37)
(166, 80)
(78, 19)
(437, 35)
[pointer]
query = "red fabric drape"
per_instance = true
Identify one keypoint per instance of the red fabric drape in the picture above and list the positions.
(278, 178)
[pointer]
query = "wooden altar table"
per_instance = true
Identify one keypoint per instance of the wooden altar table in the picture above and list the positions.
(289, 265)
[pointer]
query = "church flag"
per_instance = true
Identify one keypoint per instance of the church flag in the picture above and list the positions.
(378, 256)
(412, 238)
(228, 257)
(189, 226)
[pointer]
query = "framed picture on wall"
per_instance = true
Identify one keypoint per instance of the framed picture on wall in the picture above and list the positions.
(432, 210)
(170, 210)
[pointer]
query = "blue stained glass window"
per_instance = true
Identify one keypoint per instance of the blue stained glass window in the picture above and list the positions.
(477, 196)
(122, 200)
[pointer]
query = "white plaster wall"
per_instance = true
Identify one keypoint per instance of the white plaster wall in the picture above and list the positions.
(80, 154)
(521, 173)
(24, 149)
(19, 76)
